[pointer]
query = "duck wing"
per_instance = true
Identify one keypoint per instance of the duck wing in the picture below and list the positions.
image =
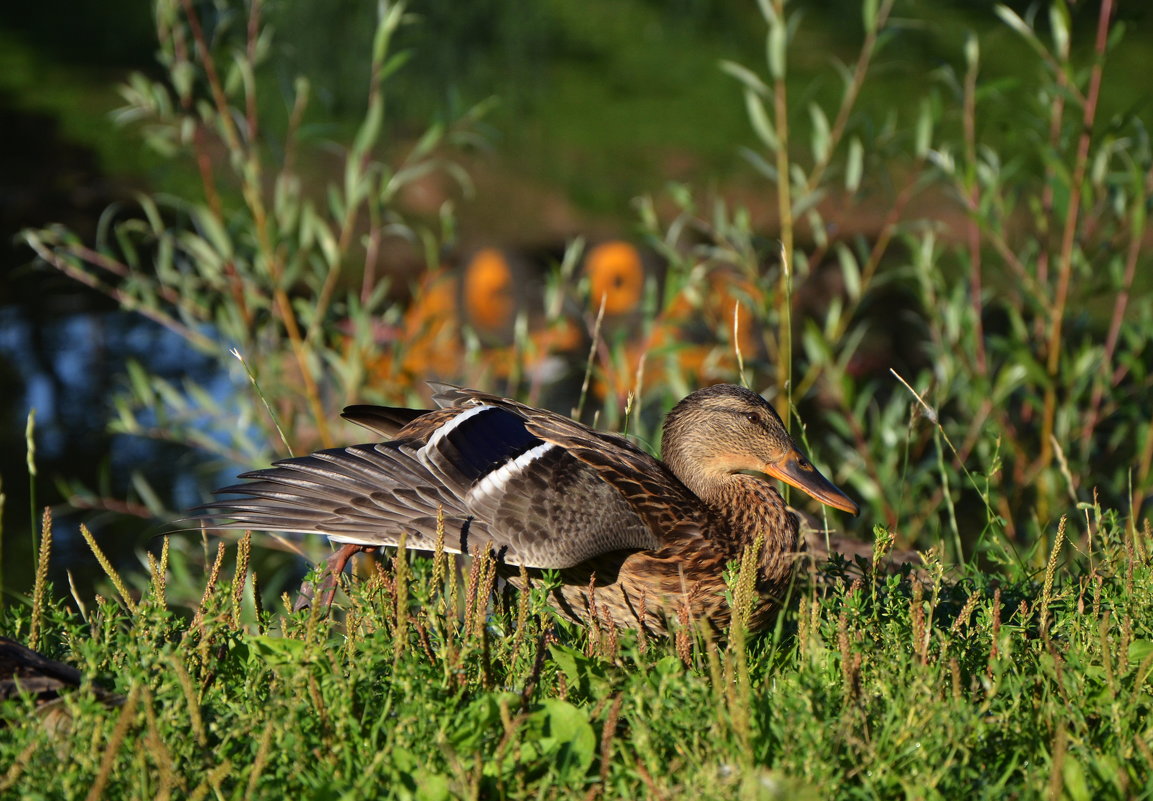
(652, 491)
(492, 471)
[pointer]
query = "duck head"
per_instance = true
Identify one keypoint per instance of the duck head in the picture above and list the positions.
(725, 430)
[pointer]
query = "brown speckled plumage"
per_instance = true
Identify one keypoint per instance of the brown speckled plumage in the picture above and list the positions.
(547, 493)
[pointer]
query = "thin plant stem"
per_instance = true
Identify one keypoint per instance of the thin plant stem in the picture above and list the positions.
(268, 406)
(252, 190)
(1069, 234)
(1120, 304)
(591, 359)
(40, 586)
(109, 570)
(785, 212)
(30, 461)
(191, 335)
(973, 199)
(852, 92)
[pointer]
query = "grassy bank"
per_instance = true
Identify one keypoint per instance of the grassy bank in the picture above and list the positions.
(937, 684)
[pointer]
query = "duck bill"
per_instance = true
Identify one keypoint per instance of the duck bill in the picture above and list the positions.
(798, 472)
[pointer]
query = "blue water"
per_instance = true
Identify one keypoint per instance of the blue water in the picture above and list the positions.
(70, 370)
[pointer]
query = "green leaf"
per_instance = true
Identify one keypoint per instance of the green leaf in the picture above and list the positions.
(214, 232)
(583, 673)
(1076, 787)
(821, 139)
(432, 787)
(183, 76)
(569, 736)
(855, 165)
(746, 76)
(972, 51)
(1059, 22)
(388, 24)
(761, 122)
(850, 270)
(369, 129)
(1139, 650)
(395, 63)
(1014, 21)
(428, 142)
(469, 728)
(276, 650)
(147, 494)
(776, 47)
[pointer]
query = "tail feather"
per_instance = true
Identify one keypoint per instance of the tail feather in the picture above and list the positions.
(384, 420)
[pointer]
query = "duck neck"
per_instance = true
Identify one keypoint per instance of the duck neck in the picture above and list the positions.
(749, 507)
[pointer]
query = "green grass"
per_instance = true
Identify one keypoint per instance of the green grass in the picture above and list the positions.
(1018, 685)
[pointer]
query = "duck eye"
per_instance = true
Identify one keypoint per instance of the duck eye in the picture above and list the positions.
(753, 418)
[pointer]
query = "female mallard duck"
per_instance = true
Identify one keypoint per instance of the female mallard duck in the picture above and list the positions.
(546, 492)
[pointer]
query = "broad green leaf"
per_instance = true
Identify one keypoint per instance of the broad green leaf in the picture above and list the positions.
(569, 736)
